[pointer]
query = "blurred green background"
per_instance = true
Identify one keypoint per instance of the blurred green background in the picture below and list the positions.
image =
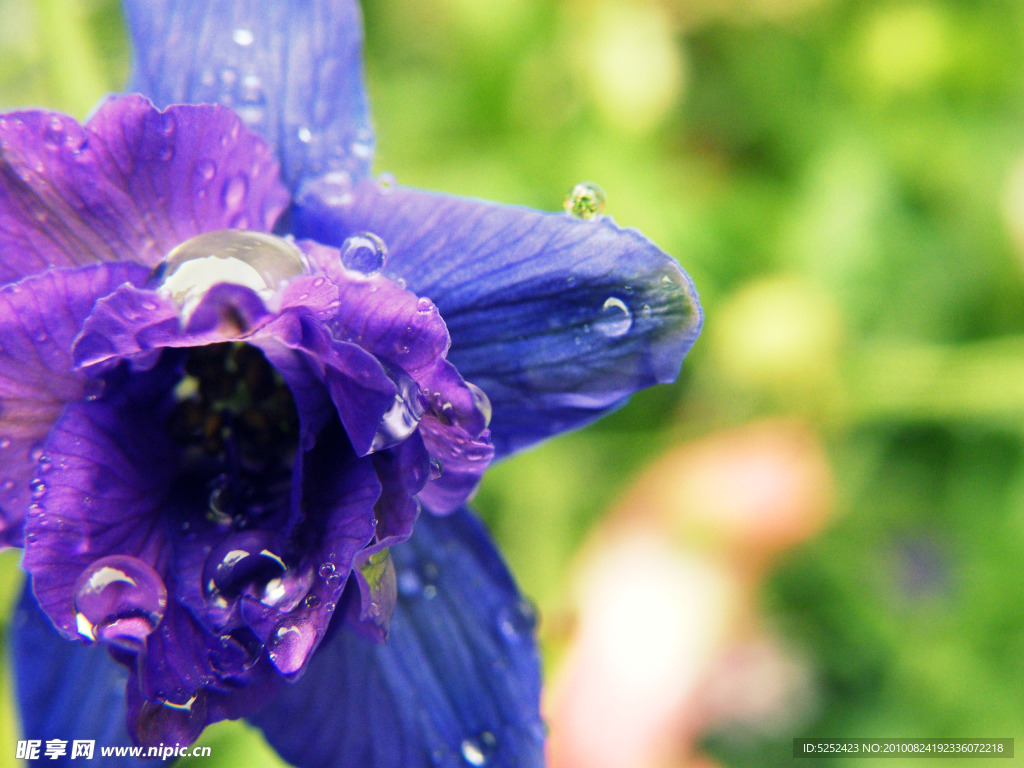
(844, 180)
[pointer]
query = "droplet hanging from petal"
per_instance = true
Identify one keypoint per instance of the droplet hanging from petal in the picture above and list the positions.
(402, 417)
(119, 599)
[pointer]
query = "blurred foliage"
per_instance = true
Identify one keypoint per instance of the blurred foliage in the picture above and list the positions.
(844, 179)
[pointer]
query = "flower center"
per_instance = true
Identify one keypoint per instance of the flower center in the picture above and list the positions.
(255, 260)
(236, 419)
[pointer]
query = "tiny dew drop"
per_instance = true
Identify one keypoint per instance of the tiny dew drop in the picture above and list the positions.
(436, 469)
(364, 252)
(478, 751)
(517, 621)
(94, 388)
(585, 201)
(615, 319)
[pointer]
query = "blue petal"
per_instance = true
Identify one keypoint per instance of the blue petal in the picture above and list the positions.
(292, 69)
(66, 690)
(556, 319)
(456, 684)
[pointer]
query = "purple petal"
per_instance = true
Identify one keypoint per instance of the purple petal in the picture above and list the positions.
(39, 319)
(556, 319)
(457, 683)
(292, 69)
(382, 317)
(102, 480)
(128, 186)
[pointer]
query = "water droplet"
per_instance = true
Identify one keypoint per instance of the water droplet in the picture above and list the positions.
(243, 37)
(436, 469)
(258, 261)
(477, 751)
(252, 100)
(168, 124)
(290, 644)
(94, 388)
(311, 601)
(243, 559)
(37, 488)
(326, 569)
(362, 145)
(330, 574)
(5, 443)
(305, 135)
(418, 581)
(364, 252)
(205, 171)
(54, 134)
(235, 653)
(234, 191)
(387, 182)
(518, 621)
(424, 305)
(119, 599)
(615, 319)
(402, 417)
(481, 402)
(585, 201)
(36, 452)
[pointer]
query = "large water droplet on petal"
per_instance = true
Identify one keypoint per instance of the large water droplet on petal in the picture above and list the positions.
(585, 201)
(286, 591)
(290, 644)
(242, 559)
(615, 319)
(119, 599)
(364, 253)
(255, 260)
(402, 417)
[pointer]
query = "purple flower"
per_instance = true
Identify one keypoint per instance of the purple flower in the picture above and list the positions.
(237, 460)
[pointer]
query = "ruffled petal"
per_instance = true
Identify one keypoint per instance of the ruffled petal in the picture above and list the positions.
(457, 683)
(39, 319)
(130, 185)
(292, 69)
(65, 690)
(558, 320)
(102, 481)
